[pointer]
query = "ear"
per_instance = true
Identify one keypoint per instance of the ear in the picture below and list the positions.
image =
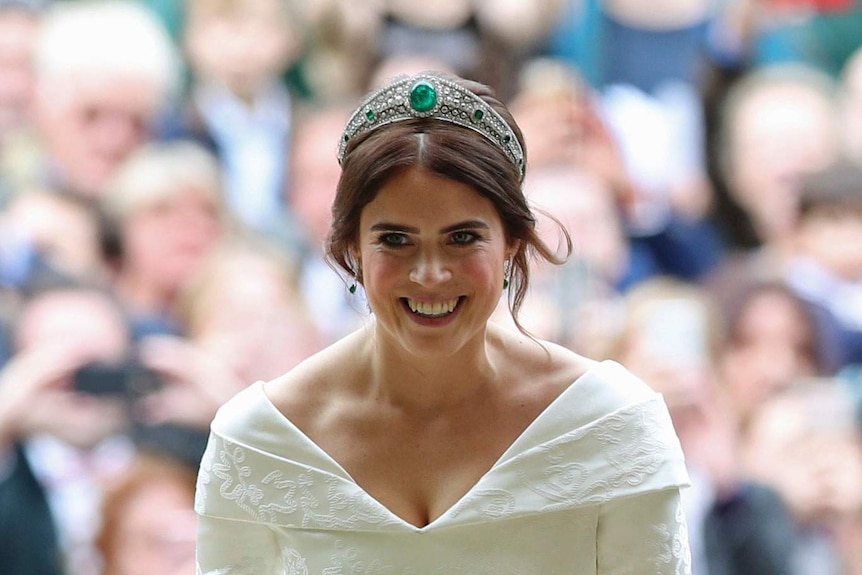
(357, 260)
(512, 248)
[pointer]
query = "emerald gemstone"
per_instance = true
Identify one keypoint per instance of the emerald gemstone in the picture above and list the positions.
(423, 96)
(478, 115)
(370, 115)
(507, 138)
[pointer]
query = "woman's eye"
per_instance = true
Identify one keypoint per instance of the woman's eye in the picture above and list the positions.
(393, 240)
(463, 237)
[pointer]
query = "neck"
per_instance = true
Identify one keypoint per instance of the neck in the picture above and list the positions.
(429, 382)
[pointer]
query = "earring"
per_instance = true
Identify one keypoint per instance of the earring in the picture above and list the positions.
(356, 278)
(506, 274)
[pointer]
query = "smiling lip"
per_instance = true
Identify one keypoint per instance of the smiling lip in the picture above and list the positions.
(432, 310)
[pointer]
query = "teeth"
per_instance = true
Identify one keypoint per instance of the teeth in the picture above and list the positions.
(432, 309)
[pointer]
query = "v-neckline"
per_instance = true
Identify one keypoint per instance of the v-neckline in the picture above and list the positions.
(506, 455)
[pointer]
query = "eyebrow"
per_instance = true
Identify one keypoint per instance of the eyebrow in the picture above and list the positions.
(466, 225)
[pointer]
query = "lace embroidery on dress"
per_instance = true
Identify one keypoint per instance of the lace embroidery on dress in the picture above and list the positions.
(277, 500)
(634, 442)
(294, 563)
(487, 503)
(348, 561)
(249, 566)
(204, 477)
(674, 548)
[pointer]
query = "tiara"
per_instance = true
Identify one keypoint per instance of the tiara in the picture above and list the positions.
(430, 96)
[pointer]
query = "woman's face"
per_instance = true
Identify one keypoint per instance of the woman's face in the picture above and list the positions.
(781, 134)
(166, 241)
(244, 47)
(770, 351)
(432, 252)
(157, 532)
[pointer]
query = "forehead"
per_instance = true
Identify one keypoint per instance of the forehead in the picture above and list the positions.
(83, 318)
(419, 195)
(124, 94)
(773, 312)
(776, 107)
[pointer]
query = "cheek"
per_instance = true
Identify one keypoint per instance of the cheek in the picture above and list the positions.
(483, 271)
(382, 272)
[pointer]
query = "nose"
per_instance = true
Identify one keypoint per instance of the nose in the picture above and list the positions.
(429, 270)
(117, 133)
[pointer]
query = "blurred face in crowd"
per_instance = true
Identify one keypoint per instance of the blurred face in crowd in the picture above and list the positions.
(17, 36)
(780, 133)
(585, 206)
(64, 230)
(148, 524)
(770, 347)
(85, 324)
(314, 173)
(247, 312)
(811, 453)
(157, 534)
(241, 43)
(92, 122)
(78, 328)
(165, 239)
(568, 304)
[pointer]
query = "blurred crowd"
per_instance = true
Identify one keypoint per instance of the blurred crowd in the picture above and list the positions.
(166, 171)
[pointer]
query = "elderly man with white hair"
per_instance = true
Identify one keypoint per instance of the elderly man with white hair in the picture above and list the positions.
(104, 71)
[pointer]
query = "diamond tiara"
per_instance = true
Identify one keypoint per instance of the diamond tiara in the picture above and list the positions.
(430, 96)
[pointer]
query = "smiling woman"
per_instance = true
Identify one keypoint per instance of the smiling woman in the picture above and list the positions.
(433, 440)
(434, 248)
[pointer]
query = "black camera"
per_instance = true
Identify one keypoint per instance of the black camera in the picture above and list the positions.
(128, 379)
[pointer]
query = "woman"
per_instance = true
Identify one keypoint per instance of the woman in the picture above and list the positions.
(433, 441)
(147, 523)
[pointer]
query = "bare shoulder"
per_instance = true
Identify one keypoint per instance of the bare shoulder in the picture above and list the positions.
(545, 363)
(305, 391)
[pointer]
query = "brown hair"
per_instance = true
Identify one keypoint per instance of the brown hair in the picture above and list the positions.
(737, 304)
(447, 150)
(148, 468)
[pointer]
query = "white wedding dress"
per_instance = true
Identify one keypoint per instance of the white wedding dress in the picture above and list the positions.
(590, 487)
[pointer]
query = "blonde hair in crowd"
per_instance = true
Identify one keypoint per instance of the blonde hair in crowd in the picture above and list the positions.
(162, 170)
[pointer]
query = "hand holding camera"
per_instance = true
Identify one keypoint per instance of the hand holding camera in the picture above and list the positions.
(36, 397)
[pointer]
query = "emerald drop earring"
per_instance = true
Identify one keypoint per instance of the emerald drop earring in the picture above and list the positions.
(356, 278)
